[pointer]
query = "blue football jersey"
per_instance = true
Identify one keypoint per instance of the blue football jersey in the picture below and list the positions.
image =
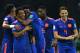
(8, 36)
(65, 29)
(21, 44)
(49, 36)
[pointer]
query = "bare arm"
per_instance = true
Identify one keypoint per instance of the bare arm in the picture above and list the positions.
(26, 22)
(79, 34)
(5, 24)
(62, 38)
(33, 39)
(16, 34)
(75, 33)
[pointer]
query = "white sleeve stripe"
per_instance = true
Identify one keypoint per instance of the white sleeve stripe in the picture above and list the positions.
(75, 25)
(54, 27)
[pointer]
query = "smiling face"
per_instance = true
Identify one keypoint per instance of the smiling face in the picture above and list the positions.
(63, 13)
(21, 14)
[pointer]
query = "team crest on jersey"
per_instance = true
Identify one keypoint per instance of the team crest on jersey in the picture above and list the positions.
(46, 25)
(70, 25)
(65, 31)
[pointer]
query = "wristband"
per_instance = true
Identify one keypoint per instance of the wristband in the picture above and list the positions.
(11, 26)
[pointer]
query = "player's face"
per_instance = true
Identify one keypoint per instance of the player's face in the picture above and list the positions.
(41, 12)
(27, 11)
(13, 11)
(63, 13)
(21, 14)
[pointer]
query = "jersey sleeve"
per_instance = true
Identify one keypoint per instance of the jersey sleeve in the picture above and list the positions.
(6, 19)
(74, 24)
(55, 27)
(14, 29)
(33, 16)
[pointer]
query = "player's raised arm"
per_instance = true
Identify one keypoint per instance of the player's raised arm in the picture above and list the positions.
(30, 16)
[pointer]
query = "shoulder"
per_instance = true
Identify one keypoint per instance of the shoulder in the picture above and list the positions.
(71, 19)
(57, 20)
(39, 18)
(6, 17)
(49, 18)
(33, 12)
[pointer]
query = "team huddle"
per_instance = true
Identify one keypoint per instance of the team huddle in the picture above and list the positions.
(27, 31)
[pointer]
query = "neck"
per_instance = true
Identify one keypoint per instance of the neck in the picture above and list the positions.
(43, 17)
(63, 19)
(22, 18)
(11, 14)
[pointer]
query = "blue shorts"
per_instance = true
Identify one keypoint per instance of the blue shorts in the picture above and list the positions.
(21, 46)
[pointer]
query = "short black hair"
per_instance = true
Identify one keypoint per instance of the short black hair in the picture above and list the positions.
(17, 10)
(42, 7)
(63, 8)
(9, 8)
(26, 7)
